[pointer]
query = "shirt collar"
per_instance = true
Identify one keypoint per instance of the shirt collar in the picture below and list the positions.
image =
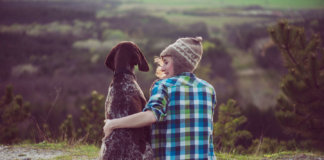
(186, 74)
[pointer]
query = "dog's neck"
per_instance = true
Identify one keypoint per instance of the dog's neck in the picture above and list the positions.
(123, 71)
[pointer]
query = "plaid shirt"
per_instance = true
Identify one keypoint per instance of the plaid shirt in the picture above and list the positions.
(183, 106)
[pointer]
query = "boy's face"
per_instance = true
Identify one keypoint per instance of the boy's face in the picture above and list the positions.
(167, 67)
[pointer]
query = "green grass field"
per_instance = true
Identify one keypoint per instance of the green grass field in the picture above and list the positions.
(83, 151)
(282, 4)
(215, 13)
(75, 151)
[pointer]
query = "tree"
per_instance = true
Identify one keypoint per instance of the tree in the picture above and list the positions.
(300, 108)
(226, 129)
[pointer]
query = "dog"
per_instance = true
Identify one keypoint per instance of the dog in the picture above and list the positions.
(125, 97)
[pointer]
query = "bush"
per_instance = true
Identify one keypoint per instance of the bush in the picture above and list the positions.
(90, 122)
(13, 112)
(226, 129)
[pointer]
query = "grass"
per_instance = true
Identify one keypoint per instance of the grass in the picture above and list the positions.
(228, 156)
(294, 155)
(86, 151)
(273, 156)
(74, 151)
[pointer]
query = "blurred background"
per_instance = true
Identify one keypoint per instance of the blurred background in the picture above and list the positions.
(52, 53)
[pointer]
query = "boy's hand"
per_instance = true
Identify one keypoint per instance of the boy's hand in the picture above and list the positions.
(107, 128)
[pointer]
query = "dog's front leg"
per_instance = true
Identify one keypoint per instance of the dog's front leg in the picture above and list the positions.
(102, 150)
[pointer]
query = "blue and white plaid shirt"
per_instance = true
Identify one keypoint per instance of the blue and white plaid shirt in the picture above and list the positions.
(184, 107)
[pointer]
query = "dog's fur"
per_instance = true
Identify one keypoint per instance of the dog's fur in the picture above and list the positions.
(125, 98)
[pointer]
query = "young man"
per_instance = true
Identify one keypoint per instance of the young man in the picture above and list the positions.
(180, 108)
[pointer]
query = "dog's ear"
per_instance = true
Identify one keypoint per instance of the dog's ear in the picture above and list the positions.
(142, 63)
(110, 63)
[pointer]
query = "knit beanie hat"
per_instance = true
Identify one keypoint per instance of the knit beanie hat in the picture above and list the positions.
(186, 54)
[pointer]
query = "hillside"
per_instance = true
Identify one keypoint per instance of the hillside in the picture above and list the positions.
(53, 52)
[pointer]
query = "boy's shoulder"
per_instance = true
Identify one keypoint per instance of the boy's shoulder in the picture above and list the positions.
(159, 82)
(166, 81)
(204, 83)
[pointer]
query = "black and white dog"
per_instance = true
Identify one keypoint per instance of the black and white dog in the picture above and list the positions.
(125, 97)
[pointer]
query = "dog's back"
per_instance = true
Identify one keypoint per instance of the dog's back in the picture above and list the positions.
(125, 98)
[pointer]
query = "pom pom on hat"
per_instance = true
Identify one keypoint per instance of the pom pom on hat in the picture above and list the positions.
(199, 39)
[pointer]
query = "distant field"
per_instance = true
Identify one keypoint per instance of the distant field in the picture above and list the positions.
(211, 21)
(282, 4)
(216, 13)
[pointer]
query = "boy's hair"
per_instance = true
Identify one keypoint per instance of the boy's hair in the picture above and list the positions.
(186, 54)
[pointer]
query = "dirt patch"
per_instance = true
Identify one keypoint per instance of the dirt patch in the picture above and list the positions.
(24, 153)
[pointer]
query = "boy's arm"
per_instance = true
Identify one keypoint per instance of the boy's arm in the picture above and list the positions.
(136, 120)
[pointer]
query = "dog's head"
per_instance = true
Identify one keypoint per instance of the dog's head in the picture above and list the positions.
(126, 54)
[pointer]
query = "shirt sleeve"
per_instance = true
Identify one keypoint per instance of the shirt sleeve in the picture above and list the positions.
(214, 105)
(158, 101)
(214, 98)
